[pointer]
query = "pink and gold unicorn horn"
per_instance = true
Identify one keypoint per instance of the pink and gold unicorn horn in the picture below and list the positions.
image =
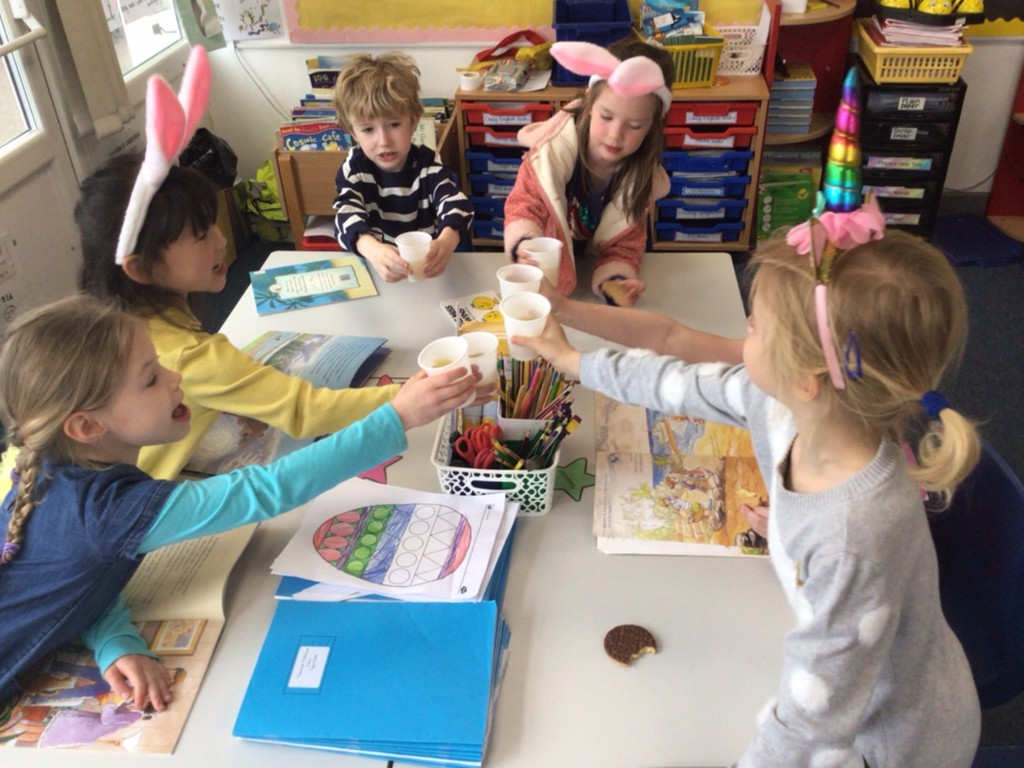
(842, 183)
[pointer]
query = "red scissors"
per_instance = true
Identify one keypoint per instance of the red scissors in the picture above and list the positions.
(476, 446)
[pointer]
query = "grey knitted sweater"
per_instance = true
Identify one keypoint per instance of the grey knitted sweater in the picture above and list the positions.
(870, 669)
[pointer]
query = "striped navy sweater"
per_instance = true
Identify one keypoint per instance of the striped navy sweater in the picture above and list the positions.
(423, 195)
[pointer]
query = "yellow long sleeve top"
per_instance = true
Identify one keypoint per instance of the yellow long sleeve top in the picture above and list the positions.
(217, 377)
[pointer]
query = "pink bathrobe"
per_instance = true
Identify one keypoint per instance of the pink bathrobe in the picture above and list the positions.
(537, 206)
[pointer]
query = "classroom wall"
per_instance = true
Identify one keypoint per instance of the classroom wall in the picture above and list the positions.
(255, 85)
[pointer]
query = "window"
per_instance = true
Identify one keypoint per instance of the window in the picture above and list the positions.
(141, 29)
(13, 118)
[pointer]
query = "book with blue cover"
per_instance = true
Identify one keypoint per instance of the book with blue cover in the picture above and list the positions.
(311, 284)
(411, 682)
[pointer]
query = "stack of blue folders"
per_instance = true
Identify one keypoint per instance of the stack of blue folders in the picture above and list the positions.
(791, 102)
(414, 682)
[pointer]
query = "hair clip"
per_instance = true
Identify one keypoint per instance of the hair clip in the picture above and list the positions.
(170, 122)
(854, 370)
(636, 76)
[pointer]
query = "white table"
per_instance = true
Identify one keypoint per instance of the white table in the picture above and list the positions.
(564, 704)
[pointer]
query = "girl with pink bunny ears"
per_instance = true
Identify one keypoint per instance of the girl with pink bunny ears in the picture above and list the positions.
(150, 243)
(593, 170)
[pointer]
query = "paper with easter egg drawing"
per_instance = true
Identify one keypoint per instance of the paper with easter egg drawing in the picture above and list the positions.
(399, 542)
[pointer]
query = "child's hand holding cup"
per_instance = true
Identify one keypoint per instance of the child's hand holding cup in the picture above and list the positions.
(445, 354)
(525, 315)
(546, 253)
(483, 353)
(414, 247)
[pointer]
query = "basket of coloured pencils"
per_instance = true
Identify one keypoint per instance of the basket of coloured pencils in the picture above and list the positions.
(534, 416)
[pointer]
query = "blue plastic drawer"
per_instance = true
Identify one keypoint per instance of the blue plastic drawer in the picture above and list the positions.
(488, 228)
(490, 186)
(700, 209)
(707, 161)
(724, 232)
(504, 166)
(491, 207)
(724, 186)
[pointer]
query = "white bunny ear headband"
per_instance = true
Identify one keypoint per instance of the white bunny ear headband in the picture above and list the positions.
(636, 76)
(170, 122)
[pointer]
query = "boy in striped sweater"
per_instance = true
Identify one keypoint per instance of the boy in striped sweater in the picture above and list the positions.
(388, 185)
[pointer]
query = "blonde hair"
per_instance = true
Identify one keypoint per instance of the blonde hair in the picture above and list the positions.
(387, 86)
(635, 179)
(902, 302)
(65, 357)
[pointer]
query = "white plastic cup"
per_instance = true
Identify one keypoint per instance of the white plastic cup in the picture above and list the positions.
(525, 315)
(483, 353)
(444, 354)
(547, 252)
(516, 278)
(471, 81)
(413, 247)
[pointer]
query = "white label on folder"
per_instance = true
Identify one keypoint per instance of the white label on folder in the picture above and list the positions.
(309, 665)
(300, 284)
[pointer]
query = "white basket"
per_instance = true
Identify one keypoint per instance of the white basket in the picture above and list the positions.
(533, 489)
(741, 60)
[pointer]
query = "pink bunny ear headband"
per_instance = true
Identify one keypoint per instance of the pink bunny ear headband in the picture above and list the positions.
(170, 122)
(637, 76)
(823, 237)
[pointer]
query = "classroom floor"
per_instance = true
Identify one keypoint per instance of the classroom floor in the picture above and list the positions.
(989, 385)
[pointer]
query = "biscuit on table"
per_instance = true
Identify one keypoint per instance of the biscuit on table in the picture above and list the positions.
(628, 642)
(614, 293)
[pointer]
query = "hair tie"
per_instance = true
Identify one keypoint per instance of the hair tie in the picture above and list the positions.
(635, 76)
(10, 549)
(934, 403)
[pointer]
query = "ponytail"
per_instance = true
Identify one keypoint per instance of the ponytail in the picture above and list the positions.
(948, 451)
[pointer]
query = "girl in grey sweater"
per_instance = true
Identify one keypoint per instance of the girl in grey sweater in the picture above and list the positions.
(846, 344)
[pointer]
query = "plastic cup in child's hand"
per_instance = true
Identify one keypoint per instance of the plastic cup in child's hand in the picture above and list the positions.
(483, 353)
(413, 247)
(445, 354)
(516, 278)
(547, 252)
(525, 315)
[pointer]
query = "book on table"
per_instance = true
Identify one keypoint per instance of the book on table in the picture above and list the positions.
(311, 284)
(324, 360)
(176, 600)
(673, 485)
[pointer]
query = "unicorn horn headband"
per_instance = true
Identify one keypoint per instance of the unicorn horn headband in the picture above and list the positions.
(845, 224)
(636, 76)
(170, 122)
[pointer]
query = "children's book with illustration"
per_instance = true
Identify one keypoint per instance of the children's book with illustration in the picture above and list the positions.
(176, 600)
(673, 485)
(311, 284)
(324, 360)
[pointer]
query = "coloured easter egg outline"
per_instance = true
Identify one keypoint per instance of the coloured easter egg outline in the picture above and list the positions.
(395, 545)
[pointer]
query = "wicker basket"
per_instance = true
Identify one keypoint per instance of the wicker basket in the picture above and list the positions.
(930, 64)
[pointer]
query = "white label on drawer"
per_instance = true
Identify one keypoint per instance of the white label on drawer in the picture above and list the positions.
(729, 118)
(911, 103)
(900, 163)
(902, 219)
(903, 133)
(724, 141)
(682, 213)
(507, 119)
(498, 141)
(700, 192)
(904, 193)
(309, 665)
(499, 190)
(698, 237)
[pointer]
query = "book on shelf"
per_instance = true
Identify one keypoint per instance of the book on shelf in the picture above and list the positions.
(311, 284)
(176, 600)
(795, 75)
(324, 135)
(673, 485)
(899, 33)
(324, 360)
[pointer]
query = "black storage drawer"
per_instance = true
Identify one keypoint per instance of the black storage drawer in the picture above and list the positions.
(911, 101)
(893, 194)
(917, 134)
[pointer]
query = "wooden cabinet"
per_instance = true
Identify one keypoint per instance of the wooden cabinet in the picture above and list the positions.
(821, 38)
(721, 125)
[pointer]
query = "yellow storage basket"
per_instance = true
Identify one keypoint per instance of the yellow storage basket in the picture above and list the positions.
(697, 64)
(926, 64)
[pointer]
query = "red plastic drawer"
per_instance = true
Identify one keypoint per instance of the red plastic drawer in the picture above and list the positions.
(727, 138)
(482, 113)
(711, 113)
(484, 136)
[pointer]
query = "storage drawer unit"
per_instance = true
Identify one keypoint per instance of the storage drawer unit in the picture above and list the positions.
(907, 134)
